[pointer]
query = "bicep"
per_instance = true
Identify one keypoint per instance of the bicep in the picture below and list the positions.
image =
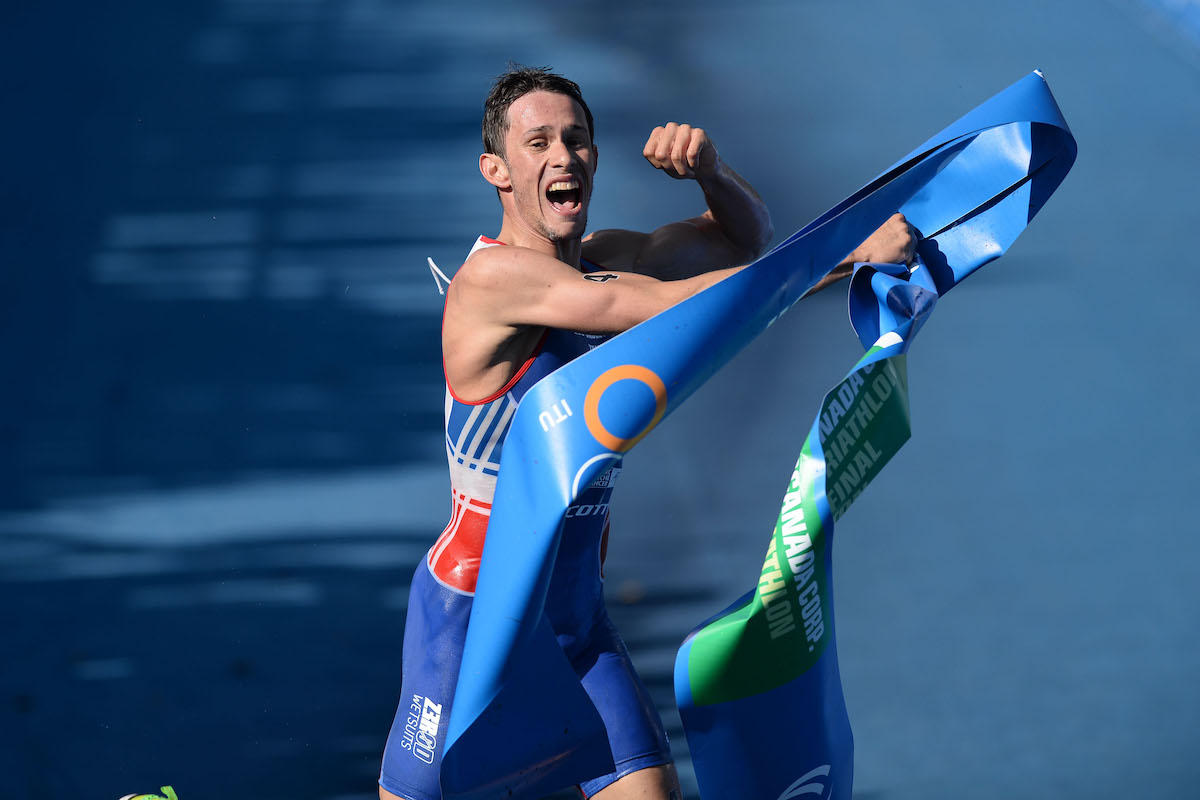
(604, 302)
(533, 289)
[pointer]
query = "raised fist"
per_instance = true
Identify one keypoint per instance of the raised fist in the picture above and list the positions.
(681, 151)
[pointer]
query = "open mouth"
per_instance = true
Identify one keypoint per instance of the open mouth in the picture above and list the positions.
(564, 196)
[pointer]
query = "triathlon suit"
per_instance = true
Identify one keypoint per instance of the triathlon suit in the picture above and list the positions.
(444, 584)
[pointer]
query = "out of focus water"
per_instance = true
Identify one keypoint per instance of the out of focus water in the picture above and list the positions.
(220, 448)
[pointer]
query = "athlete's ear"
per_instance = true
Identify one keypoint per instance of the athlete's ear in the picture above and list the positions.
(495, 171)
(595, 158)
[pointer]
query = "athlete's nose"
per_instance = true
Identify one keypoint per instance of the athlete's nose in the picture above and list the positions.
(560, 154)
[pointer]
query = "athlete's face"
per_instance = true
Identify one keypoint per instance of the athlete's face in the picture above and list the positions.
(550, 162)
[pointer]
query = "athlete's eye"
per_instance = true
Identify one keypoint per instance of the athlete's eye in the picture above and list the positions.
(538, 143)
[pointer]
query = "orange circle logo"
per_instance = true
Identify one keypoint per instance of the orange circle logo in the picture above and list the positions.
(591, 404)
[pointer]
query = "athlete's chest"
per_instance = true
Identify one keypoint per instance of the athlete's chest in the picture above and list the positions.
(559, 347)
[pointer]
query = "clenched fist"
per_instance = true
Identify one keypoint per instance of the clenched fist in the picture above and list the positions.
(894, 242)
(682, 151)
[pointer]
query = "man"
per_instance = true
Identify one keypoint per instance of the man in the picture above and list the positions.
(523, 304)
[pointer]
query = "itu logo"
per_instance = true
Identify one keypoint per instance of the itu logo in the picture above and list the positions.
(591, 404)
(809, 783)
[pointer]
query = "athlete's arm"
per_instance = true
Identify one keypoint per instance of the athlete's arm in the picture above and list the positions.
(516, 286)
(502, 299)
(893, 243)
(734, 230)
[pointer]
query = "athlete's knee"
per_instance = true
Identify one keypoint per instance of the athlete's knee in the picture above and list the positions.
(659, 782)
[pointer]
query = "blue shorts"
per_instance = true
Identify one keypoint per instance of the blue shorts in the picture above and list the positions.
(434, 634)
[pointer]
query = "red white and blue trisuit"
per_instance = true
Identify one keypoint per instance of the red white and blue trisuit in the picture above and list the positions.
(444, 586)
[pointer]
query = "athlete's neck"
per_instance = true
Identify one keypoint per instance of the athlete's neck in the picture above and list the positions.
(567, 251)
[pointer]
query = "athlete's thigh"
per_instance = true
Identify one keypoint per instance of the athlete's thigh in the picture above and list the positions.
(635, 730)
(434, 632)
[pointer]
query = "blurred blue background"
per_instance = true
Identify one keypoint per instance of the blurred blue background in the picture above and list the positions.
(220, 447)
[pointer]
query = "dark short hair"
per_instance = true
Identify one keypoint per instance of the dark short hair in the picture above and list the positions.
(515, 83)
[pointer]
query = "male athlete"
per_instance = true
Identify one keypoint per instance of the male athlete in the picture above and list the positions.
(523, 304)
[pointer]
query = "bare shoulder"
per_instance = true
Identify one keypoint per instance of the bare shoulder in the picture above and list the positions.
(615, 249)
(489, 266)
(477, 287)
(491, 273)
(502, 283)
(482, 342)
